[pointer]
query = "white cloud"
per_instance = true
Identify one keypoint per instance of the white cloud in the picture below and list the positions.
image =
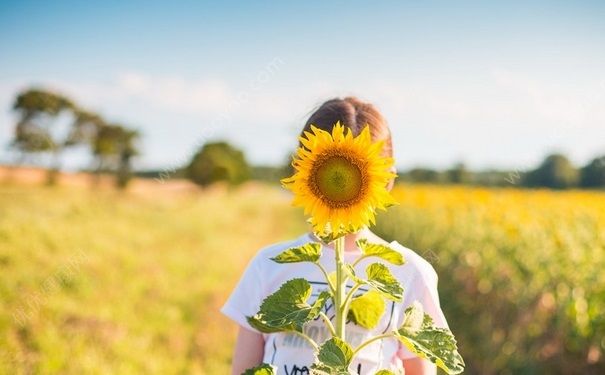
(502, 115)
(176, 93)
(555, 104)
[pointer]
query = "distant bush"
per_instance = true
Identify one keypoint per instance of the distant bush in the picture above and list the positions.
(556, 172)
(218, 161)
(593, 174)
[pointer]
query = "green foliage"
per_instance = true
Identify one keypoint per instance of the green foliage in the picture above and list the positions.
(37, 109)
(218, 161)
(435, 344)
(114, 145)
(310, 252)
(438, 345)
(413, 319)
(334, 357)
(459, 174)
(367, 309)
(385, 372)
(287, 308)
(593, 174)
(36, 102)
(109, 143)
(556, 171)
(381, 279)
(424, 175)
(263, 369)
(381, 251)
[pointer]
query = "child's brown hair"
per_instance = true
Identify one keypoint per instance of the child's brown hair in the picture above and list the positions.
(355, 115)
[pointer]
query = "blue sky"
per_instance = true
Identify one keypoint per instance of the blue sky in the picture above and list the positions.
(489, 84)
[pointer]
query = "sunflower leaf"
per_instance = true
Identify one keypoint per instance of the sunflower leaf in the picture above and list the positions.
(438, 345)
(263, 369)
(329, 237)
(413, 318)
(350, 271)
(381, 279)
(310, 252)
(333, 357)
(367, 309)
(379, 250)
(287, 309)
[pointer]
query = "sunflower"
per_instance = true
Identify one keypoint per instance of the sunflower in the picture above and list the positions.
(340, 180)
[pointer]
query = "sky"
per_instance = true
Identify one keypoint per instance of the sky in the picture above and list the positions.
(490, 84)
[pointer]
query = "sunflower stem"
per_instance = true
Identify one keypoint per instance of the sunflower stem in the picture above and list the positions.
(341, 286)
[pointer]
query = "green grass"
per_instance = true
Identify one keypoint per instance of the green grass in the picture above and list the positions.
(120, 283)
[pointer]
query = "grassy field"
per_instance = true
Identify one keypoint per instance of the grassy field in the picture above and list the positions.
(121, 283)
(131, 283)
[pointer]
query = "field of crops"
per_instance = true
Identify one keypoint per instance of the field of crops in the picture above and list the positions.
(127, 283)
(521, 273)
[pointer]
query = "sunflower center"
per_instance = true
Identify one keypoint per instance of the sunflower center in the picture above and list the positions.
(338, 179)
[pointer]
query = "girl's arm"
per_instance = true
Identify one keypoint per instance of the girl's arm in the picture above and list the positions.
(419, 366)
(249, 351)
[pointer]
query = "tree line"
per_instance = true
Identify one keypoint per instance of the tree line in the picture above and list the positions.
(111, 145)
(220, 161)
(556, 171)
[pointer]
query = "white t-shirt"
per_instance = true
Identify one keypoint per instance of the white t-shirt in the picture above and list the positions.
(292, 354)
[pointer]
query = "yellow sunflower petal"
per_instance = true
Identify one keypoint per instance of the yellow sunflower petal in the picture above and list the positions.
(340, 180)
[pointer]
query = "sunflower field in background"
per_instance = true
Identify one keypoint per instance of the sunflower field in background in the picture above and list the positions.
(521, 272)
(102, 282)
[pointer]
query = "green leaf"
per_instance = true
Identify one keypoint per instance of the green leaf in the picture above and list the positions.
(287, 309)
(334, 357)
(438, 345)
(264, 369)
(413, 318)
(381, 251)
(366, 310)
(385, 372)
(310, 252)
(319, 369)
(381, 278)
(350, 271)
(319, 303)
(329, 236)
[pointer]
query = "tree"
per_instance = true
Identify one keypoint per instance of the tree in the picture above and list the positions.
(424, 175)
(38, 110)
(127, 149)
(84, 127)
(459, 174)
(218, 161)
(113, 146)
(593, 174)
(556, 172)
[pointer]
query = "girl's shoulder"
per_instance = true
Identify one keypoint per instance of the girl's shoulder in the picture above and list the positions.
(416, 263)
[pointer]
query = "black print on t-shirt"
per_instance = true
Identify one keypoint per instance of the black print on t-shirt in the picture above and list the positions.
(305, 370)
(297, 370)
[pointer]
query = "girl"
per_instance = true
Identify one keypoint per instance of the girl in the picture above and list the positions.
(292, 355)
